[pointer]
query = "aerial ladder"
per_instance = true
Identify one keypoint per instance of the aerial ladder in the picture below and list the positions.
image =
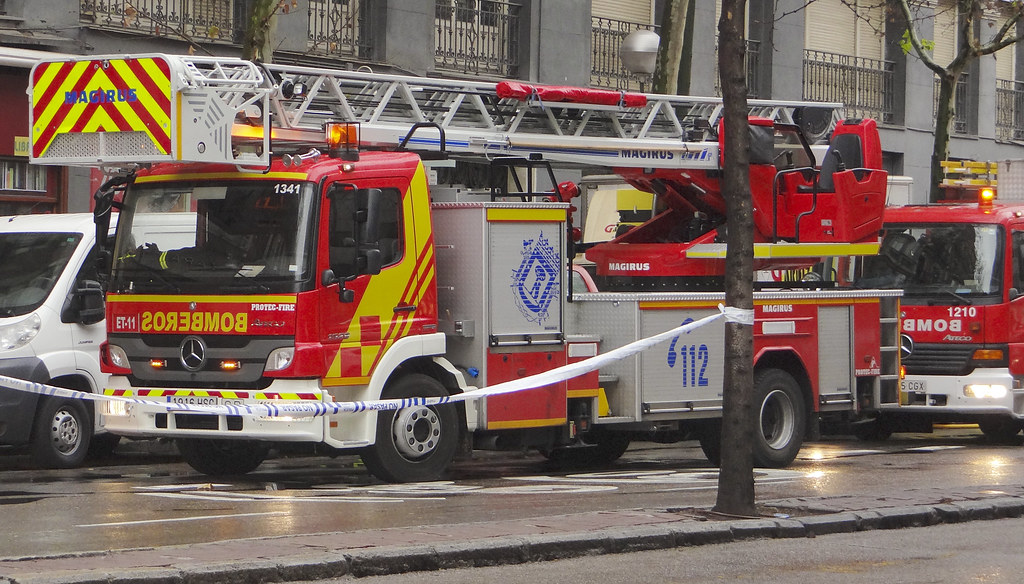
(228, 110)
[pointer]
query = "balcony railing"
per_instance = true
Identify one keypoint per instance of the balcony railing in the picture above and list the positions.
(606, 70)
(196, 20)
(753, 66)
(961, 105)
(479, 37)
(864, 85)
(1009, 110)
(340, 29)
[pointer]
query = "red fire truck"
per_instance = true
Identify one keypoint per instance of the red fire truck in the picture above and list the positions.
(333, 262)
(959, 264)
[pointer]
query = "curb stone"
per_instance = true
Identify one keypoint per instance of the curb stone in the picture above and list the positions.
(503, 550)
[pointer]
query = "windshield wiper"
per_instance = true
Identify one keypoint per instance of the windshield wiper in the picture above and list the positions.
(959, 299)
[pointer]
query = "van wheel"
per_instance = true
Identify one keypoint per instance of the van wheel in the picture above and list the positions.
(223, 457)
(62, 433)
(415, 443)
(782, 418)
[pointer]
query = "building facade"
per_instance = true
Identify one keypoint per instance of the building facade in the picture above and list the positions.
(819, 51)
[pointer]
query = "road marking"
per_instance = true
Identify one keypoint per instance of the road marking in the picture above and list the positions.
(174, 519)
(933, 448)
(183, 487)
(253, 497)
(705, 479)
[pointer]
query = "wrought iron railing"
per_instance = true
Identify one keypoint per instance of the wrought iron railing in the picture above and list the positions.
(340, 28)
(961, 104)
(191, 20)
(479, 37)
(864, 85)
(753, 66)
(606, 70)
(1009, 110)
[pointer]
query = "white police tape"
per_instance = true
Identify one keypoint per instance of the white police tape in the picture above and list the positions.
(307, 409)
(738, 315)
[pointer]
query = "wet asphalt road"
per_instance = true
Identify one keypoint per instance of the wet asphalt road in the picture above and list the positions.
(145, 496)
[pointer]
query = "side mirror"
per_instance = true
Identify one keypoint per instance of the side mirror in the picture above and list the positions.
(85, 305)
(328, 278)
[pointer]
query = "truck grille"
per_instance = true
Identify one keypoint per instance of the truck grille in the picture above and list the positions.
(938, 359)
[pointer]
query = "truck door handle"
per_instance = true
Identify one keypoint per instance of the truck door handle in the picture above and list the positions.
(405, 308)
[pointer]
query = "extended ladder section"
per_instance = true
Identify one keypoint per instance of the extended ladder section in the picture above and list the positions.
(153, 108)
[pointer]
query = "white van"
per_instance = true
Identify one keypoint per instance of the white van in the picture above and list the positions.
(52, 324)
(51, 327)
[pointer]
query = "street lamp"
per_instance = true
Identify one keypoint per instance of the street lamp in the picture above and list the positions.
(639, 53)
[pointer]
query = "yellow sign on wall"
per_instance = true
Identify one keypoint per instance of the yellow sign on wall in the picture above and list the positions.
(21, 146)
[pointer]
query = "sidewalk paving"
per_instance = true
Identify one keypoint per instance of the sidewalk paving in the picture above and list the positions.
(396, 550)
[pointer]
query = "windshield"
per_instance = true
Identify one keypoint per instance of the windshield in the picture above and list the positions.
(242, 236)
(962, 259)
(30, 264)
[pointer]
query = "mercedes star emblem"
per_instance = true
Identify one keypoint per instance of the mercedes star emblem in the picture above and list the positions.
(906, 346)
(193, 353)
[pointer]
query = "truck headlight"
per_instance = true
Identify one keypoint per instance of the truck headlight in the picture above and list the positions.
(116, 407)
(19, 334)
(280, 359)
(983, 391)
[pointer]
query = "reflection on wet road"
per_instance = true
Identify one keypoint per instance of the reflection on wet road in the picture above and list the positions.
(147, 497)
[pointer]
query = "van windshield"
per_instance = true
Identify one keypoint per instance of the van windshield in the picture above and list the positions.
(247, 236)
(954, 260)
(30, 264)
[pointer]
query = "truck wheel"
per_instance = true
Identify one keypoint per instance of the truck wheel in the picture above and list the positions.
(781, 418)
(62, 432)
(1000, 430)
(415, 443)
(222, 457)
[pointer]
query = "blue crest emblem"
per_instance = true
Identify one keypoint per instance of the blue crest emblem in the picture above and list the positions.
(535, 281)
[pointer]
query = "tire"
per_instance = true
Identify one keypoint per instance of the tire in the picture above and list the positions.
(61, 434)
(222, 457)
(415, 443)
(782, 418)
(1000, 430)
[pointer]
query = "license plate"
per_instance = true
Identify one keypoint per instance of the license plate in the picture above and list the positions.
(202, 400)
(913, 385)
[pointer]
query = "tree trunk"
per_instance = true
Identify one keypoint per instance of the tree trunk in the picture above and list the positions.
(670, 50)
(256, 44)
(736, 478)
(944, 117)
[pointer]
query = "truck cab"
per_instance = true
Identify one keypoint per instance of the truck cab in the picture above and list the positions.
(961, 269)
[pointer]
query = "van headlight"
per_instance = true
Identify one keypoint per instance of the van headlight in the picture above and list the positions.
(19, 334)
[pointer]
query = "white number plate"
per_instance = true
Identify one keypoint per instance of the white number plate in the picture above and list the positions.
(913, 385)
(196, 400)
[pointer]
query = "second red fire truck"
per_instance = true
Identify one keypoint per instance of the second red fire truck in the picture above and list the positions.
(960, 264)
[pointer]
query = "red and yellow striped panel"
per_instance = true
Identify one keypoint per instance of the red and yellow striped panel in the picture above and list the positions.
(116, 95)
(224, 394)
